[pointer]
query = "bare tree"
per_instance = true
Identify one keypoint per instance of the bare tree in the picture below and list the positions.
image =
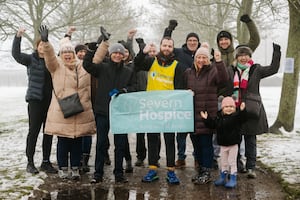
(207, 18)
(86, 16)
(288, 99)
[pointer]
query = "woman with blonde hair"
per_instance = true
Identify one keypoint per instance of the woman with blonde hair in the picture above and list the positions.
(68, 77)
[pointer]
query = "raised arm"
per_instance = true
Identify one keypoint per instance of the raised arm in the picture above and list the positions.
(253, 32)
(21, 58)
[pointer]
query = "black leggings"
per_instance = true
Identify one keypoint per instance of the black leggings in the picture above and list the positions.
(37, 113)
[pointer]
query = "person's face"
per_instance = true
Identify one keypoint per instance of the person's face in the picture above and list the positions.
(80, 54)
(67, 56)
(201, 60)
(126, 54)
(224, 42)
(192, 44)
(228, 109)
(152, 51)
(243, 59)
(117, 57)
(166, 47)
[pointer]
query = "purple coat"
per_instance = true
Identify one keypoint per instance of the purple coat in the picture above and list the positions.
(204, 85)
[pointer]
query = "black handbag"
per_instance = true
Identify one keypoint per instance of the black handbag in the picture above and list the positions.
(253, 105)
(71, 104)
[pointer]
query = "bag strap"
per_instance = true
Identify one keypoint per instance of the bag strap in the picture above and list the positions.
(76, 83)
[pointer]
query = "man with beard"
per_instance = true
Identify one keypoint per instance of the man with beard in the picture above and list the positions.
(164, 73)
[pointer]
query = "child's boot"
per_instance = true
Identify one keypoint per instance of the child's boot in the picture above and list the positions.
(232, 182)
(222, 179)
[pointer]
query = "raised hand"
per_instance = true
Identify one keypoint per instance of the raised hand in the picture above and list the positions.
(21, 32)
(43, 30)
(245, 18)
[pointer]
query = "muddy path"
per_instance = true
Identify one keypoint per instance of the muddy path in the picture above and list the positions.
(265, 186)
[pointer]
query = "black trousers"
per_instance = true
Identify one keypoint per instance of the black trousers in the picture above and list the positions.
(154, 148)
(37, 113)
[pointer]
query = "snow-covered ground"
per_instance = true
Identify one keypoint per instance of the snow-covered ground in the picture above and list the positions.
(281, 152)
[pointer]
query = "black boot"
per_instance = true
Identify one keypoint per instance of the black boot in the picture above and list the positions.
(31, 168)
(85, 160)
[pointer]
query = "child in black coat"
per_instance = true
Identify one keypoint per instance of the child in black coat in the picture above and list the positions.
(228, 124)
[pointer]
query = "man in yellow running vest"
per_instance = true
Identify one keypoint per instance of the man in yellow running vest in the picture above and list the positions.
(164, 73)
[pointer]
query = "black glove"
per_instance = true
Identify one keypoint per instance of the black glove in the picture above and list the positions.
(141, 43)
(276, 47)
(92, 46)
(100, 38)
(43, 30)
(245, 18)
(104, 33)
(212, 53)
(172, 24)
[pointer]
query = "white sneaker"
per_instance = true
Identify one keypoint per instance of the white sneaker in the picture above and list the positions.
(63, 173)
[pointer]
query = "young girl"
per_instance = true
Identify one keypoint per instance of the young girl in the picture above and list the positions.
(228, 123)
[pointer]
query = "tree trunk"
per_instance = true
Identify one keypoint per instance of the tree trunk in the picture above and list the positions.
(288, 99)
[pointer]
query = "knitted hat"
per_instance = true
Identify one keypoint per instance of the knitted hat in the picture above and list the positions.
(80, 47)
(192, 34)
(117, 47)
(65, 45)
(225, 34)
(203, 50)
(228, 101)
(242, 50)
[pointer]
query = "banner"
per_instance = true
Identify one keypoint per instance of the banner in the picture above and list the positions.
(152, 112)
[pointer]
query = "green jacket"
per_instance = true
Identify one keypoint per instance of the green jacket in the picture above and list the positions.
(228, 54)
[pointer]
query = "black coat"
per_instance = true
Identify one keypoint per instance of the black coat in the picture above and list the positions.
(256, 73)
(110, 75)
(228, 127)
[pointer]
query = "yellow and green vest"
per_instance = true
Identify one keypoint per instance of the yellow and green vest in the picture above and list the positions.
(161, 78)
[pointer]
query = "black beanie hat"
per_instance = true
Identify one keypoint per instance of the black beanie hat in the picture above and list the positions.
(192, 34)
(80, 47)
(225, 34)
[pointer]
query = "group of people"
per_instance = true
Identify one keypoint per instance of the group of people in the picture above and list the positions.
(99, 70)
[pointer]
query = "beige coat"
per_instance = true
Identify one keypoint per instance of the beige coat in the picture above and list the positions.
(65, 83)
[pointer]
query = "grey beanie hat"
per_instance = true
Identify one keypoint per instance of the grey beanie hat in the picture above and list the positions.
(117, 47)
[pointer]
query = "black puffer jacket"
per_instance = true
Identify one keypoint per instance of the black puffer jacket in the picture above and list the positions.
(110, 75)
(39, 78)
(228, 127)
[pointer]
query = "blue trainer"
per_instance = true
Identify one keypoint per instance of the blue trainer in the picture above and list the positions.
(172, 178)
(151, 176)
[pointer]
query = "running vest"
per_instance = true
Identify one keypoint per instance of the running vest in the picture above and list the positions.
(161, 78)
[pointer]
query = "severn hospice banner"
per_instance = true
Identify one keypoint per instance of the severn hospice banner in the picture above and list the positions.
(152, 112)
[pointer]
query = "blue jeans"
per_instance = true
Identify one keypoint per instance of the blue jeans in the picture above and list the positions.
(203, 149)
(181, 145)
(66, 146)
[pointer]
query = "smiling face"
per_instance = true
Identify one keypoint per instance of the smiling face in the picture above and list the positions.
(166, 47)
(228, 109)
(243, 59)
(117, 57)
(200, 61)
(67, 56)
(224, 42)
(192, 43)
